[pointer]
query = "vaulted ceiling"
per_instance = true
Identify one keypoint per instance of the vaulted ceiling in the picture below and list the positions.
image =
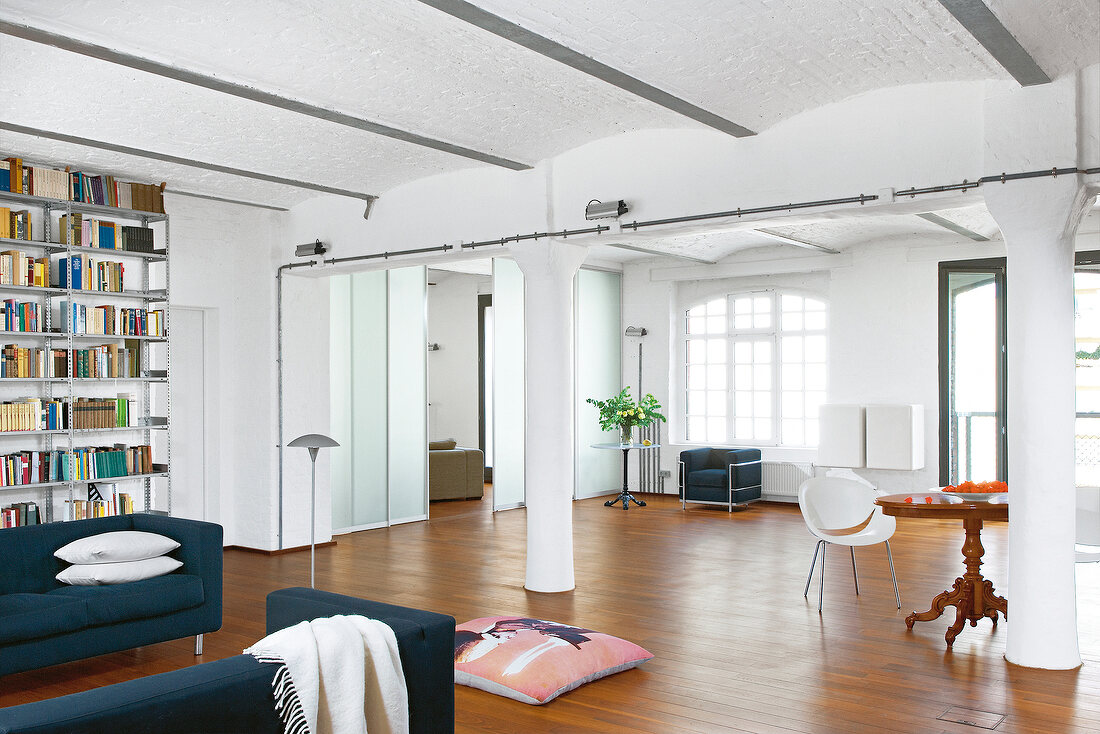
(388, 91)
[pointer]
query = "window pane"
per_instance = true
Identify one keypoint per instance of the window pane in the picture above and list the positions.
(792, 321)
(742, 404)
(717, 307)
(716, 403)
(792, 406)
(762, 304)
(742, 305)
(742, 352)
(697, 429)
(762, 377)
(696, 404)
(716, 377)
(742, 377)
(815, 321)
(815, 377)
(716, 351)
(742, 321)
(815, 349)
(814, 399)
(792, 349)
(697, 311)
(716, 430)
(697, 325)
(792, 303)
(762, 321)
(792, 376)
(697, 377)
(812, 304)
(762, 352)
(762, 404)
(762, 429)
(696, 351)
(792, 433)
(716, 324)
(742, 428)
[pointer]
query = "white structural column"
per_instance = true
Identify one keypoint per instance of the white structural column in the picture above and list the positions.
(548, 271)
(1039, 218)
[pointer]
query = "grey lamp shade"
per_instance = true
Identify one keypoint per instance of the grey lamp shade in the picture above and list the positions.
(312, 441)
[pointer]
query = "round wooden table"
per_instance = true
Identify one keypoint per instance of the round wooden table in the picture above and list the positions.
(972, 596)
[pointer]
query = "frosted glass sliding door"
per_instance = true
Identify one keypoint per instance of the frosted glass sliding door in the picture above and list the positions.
(598, 337)
(408, 394)
(358, 371)
(509, 401)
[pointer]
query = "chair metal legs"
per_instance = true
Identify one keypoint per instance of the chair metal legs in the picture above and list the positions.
(198, 644)
(812, 564)
(854, 577)
(821, 548)
(897, 596)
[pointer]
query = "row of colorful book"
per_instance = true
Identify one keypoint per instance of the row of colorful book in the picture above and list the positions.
(104, 361)
(89, 274)
(109, 320)
(15, 225)
(19, 514)
(78, 186)
(81, 464)
(19, 268)
(21, 315)
(82, 231)
(42, 414)
(120, 504)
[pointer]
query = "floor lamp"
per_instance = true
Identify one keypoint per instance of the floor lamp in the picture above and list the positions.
(314, 442)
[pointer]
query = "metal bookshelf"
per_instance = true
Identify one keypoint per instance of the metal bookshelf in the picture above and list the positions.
(51, 209)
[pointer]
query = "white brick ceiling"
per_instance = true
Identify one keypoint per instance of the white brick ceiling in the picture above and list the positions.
(404, 64)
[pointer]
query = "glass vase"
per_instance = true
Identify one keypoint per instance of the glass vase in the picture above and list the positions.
(626, 434)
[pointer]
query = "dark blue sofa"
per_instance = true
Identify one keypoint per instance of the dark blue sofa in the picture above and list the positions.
(234, 695)
(44, 622)
(728, 477)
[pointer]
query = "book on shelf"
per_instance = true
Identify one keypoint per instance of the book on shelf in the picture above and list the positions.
(19, 514)
(42, 414)
(87, 273)
(30, 467)
(21, 316)
(15, 175)
(15, 225)
(91, 463)
(109, 320)
(19, 268)
(78, 230)
(119, 503)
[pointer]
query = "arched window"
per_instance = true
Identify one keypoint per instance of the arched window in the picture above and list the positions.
(755, 368)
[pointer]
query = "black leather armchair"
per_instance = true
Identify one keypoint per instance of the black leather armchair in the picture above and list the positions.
(728, 477)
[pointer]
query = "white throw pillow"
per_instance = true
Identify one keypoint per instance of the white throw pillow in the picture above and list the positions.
(121, 545)
(96, 574)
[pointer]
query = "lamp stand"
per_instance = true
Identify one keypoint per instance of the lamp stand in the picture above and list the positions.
(313, 451)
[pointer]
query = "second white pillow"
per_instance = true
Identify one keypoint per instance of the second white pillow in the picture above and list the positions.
(97, 574)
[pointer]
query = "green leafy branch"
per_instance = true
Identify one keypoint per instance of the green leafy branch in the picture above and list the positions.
(621, 411)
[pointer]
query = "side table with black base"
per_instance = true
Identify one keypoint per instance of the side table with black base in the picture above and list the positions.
(625, 496)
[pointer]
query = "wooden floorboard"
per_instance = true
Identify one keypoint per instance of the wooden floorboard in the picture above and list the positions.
(714, 596)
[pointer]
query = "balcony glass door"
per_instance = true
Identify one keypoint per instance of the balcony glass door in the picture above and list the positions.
(973, 436)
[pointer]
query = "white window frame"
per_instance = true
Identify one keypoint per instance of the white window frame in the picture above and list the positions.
(774, 335)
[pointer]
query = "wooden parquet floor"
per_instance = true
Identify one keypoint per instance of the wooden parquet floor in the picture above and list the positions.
(714, 596)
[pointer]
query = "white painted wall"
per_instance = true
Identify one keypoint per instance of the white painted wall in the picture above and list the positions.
(452, 370)
(222, 261)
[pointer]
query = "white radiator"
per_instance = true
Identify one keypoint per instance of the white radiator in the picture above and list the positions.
(781, 479)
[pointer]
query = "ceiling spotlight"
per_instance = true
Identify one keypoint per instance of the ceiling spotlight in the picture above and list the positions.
(596, 209)
(310, 250)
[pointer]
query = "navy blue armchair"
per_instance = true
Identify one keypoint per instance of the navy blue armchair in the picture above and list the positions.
(728, 477)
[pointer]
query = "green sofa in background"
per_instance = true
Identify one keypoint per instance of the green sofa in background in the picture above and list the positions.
(455, 473)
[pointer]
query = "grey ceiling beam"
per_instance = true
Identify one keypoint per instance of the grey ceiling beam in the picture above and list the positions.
(956, 228)
(988, 30)
(103, 53)
(795, 241)
(167, 158)
(649, 251)
(240, 202)
(520, 36)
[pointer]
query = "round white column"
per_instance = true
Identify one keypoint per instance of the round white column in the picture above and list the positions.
(1038, 219)
(548, 269)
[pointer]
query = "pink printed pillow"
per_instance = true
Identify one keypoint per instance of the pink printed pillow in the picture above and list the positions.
(535, 661)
